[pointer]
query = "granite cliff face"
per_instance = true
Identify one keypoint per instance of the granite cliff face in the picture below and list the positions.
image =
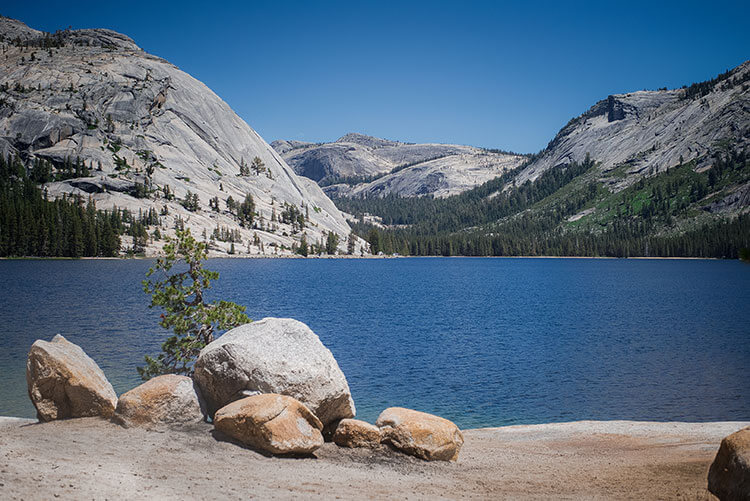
(393, 167)
(148, 133)
(647, 132)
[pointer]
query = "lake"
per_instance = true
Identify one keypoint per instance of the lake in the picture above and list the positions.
(484, 342)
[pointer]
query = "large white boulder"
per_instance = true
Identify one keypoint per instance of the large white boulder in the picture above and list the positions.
(64, 382)
(274, 355)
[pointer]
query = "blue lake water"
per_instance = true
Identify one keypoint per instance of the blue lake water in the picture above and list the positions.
(484, 342)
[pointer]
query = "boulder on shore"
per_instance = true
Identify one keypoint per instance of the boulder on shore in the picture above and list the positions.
(274, 355)
(729, 475)
(64, 382)
(420, 434)
(278, 424)
(356, 433)
(168, 400)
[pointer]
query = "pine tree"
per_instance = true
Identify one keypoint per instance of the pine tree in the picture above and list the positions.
(186, 313)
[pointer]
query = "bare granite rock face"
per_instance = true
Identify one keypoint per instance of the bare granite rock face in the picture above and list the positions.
(167, 400)
(737, 200)
(64, 382)
(278, 424)
(729, 475)
(420, 434)
(645, 132)
(274, 355)
(405, 169)
(134, 119)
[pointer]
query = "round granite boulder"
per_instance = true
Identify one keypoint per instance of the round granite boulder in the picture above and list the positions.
(273, 423)
(420, 434)
(168, 400)
(274, 355)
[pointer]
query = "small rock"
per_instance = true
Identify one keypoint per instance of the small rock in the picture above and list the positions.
(64, 382)
(356, 433)
(274, 355)
(278, 424)
(420, 434)
(164, 400)
(729, 475)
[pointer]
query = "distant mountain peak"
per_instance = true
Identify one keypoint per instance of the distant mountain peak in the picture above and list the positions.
(125, 129)
(13, 29)
(365, 140)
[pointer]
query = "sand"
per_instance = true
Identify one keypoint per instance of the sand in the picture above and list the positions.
(94, 459)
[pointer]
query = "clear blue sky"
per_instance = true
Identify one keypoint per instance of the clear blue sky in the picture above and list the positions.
(481, 73)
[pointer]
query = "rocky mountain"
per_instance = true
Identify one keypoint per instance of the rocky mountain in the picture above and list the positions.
(647, 132)
(663, 172)
(142, 134)
(357, 165)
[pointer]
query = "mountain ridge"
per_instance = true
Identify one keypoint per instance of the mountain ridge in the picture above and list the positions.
(644, 173)
(357, 165)
(149, 135)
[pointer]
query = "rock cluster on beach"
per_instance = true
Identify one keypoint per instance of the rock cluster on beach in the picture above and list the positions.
(271, 385)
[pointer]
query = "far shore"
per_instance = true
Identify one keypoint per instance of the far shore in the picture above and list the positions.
(344, 256)
(93, 458)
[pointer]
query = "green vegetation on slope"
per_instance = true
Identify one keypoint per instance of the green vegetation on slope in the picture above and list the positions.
(568, 211)
(32, 225)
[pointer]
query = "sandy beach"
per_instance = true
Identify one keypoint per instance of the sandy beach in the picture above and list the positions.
(92, 458)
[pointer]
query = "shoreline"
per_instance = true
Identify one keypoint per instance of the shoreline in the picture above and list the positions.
(272, 256)
(577, 425)
(94, 458)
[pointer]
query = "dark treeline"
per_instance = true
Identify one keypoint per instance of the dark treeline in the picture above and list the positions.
(350, 180)
(32, 225)
(701, 89)
(530, 237)
(526, 220)
(484, 204)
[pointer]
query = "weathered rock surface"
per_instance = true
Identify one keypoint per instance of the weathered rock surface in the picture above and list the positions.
(274, 355)
(420, 434)
(406, 169)
(131, 117)
(735, 201)
(637, 132)
(356, 433)
(64, 382)
(729, 475)
(167, 400)
(278, 424)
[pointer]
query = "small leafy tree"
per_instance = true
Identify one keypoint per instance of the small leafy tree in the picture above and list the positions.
(180, 294)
